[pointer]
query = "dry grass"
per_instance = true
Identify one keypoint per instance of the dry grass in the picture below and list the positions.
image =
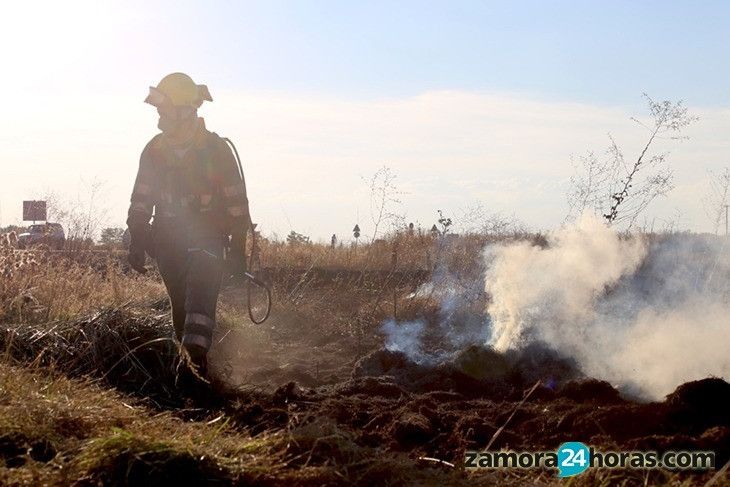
(402, 250)
(68, 318)
(62, 431)
(56, 431)
(415, 252)
(40, 286)
(129, 348)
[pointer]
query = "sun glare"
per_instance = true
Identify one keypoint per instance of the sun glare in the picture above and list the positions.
(43, 40)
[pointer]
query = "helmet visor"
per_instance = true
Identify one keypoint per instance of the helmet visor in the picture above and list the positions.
(157, 98)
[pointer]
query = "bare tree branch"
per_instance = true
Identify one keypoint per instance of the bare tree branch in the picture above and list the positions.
(621, 191)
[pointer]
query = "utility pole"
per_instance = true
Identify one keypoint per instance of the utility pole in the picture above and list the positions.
(726, 209)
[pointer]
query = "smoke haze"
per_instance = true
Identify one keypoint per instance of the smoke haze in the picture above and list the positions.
(646, 316)
(645, 313)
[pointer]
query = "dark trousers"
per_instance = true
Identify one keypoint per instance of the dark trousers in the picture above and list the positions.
(191, 268)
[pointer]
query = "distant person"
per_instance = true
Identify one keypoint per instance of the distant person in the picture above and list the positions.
(189, 181)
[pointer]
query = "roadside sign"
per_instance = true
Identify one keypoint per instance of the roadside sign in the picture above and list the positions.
(34, 211)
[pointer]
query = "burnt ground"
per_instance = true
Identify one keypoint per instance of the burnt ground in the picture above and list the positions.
(442, 411)
(445, 411)
(356, 399)
(383, 400)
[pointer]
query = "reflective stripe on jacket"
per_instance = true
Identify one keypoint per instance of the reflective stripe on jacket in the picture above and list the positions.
(201, 188)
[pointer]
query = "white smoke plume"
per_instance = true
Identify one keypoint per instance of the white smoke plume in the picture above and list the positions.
(646, 316)
(405, 337)
(461, 319)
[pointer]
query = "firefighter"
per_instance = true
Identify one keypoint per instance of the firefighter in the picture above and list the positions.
(189, 185)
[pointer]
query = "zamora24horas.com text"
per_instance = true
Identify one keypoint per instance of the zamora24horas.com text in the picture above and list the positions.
(572, 458)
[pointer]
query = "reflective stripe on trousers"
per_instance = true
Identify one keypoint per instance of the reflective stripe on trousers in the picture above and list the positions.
(192, 273)
(198, 330)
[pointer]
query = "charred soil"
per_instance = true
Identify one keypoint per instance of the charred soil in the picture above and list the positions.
(378, 417)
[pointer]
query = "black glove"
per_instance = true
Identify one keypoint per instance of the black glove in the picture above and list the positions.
(139, 243)
(136, 259)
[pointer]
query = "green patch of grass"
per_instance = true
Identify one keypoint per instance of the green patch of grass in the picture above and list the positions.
(124, 458)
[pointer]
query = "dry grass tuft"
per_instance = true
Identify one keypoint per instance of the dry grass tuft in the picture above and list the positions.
(40, 286)
(59, 431)
(130, 348)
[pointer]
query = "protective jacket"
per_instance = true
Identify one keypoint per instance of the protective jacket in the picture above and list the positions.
(197, 186)
(196, 198)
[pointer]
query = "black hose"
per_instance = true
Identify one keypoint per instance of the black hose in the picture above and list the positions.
(266, 288)
(249, 276)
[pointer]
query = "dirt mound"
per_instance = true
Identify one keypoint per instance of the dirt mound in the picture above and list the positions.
(482, 364)
(380, 362)
(700, 404)
(476, 371)
(476, 398)
(420, 378)
(441, 409)
(590, 391)
(537, 361)
(126, 461)
(371, 386)
(412, 429)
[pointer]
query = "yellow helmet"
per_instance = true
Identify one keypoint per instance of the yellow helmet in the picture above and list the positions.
(178, 89)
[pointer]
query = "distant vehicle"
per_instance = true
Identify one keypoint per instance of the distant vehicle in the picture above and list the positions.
(50, 234)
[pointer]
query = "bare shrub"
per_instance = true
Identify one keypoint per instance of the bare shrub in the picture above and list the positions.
(620, 190)
(717, 199)
(82, 217)
(476, 218)
(384, 197)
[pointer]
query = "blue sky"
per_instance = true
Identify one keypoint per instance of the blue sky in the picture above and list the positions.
(591, 51)
(312, 84)
(603, 52)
